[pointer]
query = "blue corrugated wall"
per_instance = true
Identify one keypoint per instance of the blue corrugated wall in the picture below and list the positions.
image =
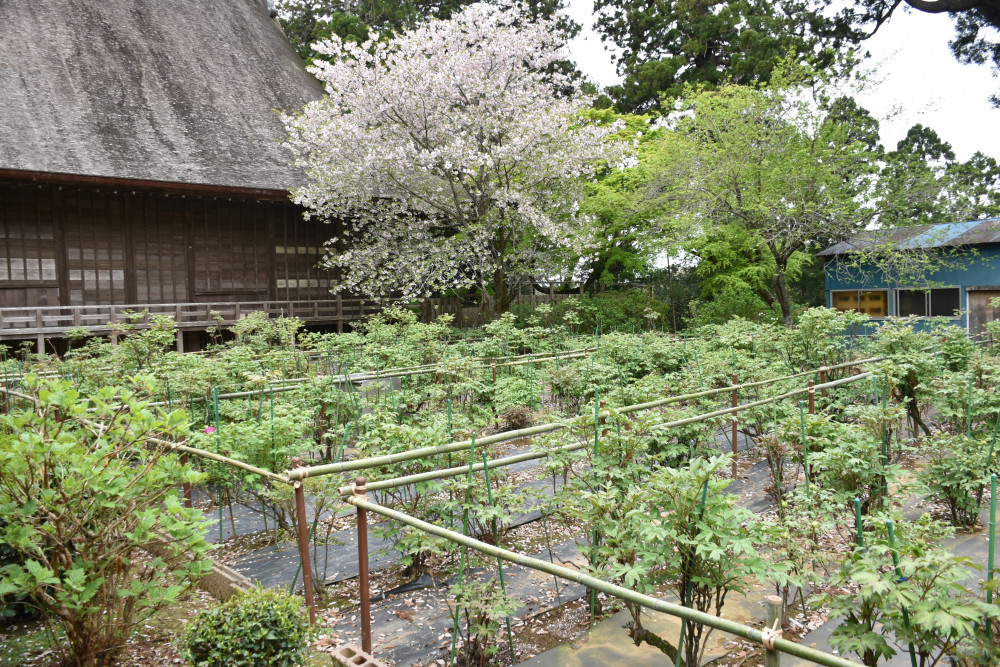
(981, 267)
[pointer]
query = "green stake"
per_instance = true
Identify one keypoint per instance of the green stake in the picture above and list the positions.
(859, 524)
(218, 435)
(899, 576)
(451, 492)
(593, 542)
(968, 418)
(805, 448)
(687, 588)
(496, 542)
(993, 529)
(465, 533)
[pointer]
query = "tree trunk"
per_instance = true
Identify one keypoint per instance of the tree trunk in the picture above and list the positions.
(502, 297)
(783, 298)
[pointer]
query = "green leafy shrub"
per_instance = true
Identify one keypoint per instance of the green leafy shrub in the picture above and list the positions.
(87, 487)
(846, 460)
(929, 606)
(631, 310)
(732, 301)
(514, 390)
(956, 475)
(259, 627)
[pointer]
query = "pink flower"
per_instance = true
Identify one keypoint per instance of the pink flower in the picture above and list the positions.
(210, 430)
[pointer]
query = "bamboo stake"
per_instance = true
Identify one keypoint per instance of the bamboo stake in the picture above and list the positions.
(992, 547)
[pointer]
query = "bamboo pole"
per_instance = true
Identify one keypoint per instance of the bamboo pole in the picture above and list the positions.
(496, 541)
(859, 523)
(386, 459)
(692, 615)
(754, 404)
(774, 604)
(221, 459)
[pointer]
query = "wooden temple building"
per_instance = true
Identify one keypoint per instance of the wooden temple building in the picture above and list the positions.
(141, 168)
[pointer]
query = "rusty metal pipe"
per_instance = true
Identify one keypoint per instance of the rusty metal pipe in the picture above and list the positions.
(307, 579)
(365, 592)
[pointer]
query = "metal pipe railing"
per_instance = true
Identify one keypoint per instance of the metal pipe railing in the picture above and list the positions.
(386, 459)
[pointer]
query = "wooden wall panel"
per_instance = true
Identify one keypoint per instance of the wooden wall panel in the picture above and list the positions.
(158, 246)
(299, 250)
(93, 225)
(230, 251)
(28, 273)
(88, 246)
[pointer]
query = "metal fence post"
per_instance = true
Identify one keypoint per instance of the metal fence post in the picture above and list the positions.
(300, 512)
(366, 617)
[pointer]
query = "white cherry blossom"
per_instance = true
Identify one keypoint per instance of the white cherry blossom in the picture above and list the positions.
(448, 154)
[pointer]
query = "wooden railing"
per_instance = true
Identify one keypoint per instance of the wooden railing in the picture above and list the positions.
(48, 321)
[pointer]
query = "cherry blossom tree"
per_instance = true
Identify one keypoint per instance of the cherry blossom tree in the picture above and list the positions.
(456, 155)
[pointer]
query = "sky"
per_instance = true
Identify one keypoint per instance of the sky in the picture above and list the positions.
(919, 80)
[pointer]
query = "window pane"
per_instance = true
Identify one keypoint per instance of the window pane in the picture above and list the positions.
(845, 300)
(875, 304)
(911, 302)
(945, 302)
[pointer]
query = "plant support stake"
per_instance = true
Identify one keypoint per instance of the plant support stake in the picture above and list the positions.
(899, 576)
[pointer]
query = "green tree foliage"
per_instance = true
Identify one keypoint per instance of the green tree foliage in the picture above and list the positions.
(89, 503)
(664, 45)
(755, 179)
(617, 205)
(924, 182)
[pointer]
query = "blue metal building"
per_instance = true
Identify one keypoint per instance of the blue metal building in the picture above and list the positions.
(960, 289)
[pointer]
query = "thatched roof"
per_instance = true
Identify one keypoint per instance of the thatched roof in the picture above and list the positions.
(181, 91)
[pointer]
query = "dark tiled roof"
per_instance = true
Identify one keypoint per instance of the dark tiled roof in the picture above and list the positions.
(181, 91)
(973, 232)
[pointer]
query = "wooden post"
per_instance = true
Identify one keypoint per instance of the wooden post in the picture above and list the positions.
(366, 614)
(736, 402)
(772, 658)
(300, 513)
(822, 380)
(812, 397)
(180, 340)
